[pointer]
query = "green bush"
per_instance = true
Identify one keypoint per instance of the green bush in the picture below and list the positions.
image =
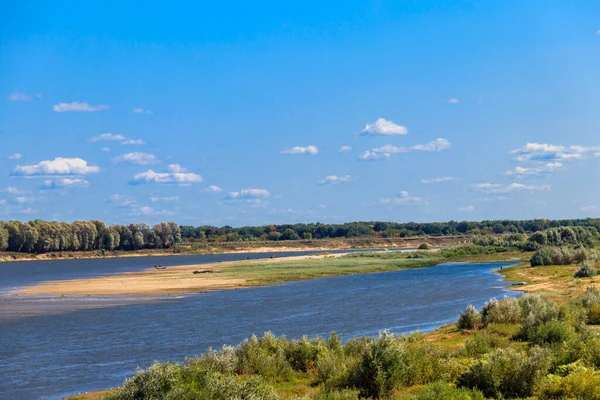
(215, 386)
(153, 383)
(381, 367)
(224, 361)
(265, 357)
(303, 354)
(535, 311)
(469, 318)
(581, 384)
(585, 270)
(549, 333)
(562, 256)
(424, 246)
(507, 373)
(446, 391)
(506, 311)
(344, 394)
(482, 344)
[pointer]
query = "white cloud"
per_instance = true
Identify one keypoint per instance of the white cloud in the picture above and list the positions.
(155, 199)
(178, 178)
(345, 149)
(213, 189)
(491, 198)
(453, 101)
(545, 152)
(332, 179)
(176, 168)
(58, 166)
(107, 136)
(18, 96)
(105, 149)
(250, 194)
(312, 150)
(65, 183)
(439, 180)
(385, 128)
(322, 206)
(14, 190)
(522, 172)
(466, 209)
(78, 107)
(590, 209)
(438, 144)
(403, 198)
(121, 200)
(15, 156)
(390, 149)
(28, 210)
(2, 202)
(133, 141)
(149, 211)
(139, 110)
(598, 32)
(512, 188)
(137, 158)
(25, 200)
(370, 155)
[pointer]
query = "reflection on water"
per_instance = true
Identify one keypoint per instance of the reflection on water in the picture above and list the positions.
(57, 355)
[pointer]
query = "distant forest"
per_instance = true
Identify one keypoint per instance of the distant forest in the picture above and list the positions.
(42, 236)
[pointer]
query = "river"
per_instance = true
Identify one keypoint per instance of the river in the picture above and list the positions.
(50, 355)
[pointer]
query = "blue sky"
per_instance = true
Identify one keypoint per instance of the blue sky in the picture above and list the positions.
(270, 112)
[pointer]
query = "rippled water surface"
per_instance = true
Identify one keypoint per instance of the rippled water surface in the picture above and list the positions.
(55, 355)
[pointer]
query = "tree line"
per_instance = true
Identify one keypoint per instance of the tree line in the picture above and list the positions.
(376, 229)
(42, 236)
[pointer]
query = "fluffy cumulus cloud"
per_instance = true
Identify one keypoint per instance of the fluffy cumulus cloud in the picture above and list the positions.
(438, 180)
(213, 189)
(453, 100)
(332, 179)
(250, 194)
(466, 209)
(521, 172)
(544, 152)
(156, 199)
(383, 152)
(138, 210)
(58, 166)
(383, 127)
(107, 137)
(77, 106)
(137, 158)
(438, 144)
(403, 198)
(511, 188)
(176, 175)
(64, 183)
(15, 156)
(371, 155)
(140, 110)
(133, 141)
(345, 149)
(311, 150)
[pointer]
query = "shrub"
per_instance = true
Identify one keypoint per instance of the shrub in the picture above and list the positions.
(469, 318)
(215, 386)
(424, 246)
(481, 344)
(581, 384)
(381, 367)
(447, 391)
(344, 394)
(303, 354)
(535, 310)
(549, 333)
(153, 383)
(506, 311)
(265, 357)
(586, 270)
(591, 296)
(562, 256)
(507, 373)
(224, 361)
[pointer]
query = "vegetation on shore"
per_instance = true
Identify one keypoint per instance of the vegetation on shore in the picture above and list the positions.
(40, 237)
(544, 345)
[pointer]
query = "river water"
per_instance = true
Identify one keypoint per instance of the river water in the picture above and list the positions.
(58, 352)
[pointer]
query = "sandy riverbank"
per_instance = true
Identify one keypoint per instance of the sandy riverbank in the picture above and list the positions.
(152, 281)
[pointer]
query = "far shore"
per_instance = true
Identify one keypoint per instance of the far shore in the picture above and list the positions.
(322, 245)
